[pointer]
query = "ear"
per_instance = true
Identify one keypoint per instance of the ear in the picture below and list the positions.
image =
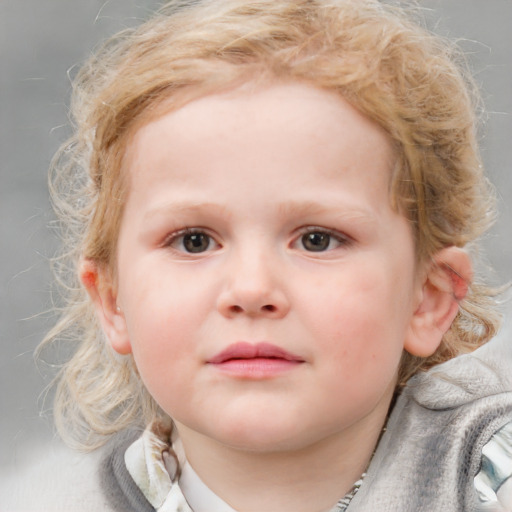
(99, 285)
(445, 283)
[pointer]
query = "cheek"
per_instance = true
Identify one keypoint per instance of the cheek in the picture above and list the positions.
(163, 319)
(162, 302)
(164, 355)
(361, 319)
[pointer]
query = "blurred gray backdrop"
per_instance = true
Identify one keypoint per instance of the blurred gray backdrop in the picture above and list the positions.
(40, 41)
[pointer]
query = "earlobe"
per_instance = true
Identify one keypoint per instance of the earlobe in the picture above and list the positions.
(445, 284)
(98, 283)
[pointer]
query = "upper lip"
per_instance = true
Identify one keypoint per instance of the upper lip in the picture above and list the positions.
(245, 350)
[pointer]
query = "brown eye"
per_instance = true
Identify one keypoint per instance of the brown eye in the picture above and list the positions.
(316, 241)
(196, 242)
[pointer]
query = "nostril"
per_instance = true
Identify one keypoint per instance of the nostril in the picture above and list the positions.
(236, 309)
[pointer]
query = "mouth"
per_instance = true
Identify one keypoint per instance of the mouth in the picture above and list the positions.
(254, 361)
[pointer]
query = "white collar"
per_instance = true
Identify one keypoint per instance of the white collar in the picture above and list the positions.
(157, 463)
(198, 495)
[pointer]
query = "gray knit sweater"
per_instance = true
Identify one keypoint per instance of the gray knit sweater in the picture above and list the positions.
(432, 450)
(426, 460)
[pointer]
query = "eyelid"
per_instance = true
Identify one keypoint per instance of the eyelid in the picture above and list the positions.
(171, 238)
(344, 239)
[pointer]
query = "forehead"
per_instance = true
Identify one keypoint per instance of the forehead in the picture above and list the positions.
(261, 125)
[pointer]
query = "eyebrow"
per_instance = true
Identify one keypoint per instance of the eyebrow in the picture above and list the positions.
(177, 208)
(284, 210)
(340, 209)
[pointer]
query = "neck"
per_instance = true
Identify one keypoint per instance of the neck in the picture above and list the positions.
(310, 479)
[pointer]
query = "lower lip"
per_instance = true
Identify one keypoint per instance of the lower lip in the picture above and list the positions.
(256, 368)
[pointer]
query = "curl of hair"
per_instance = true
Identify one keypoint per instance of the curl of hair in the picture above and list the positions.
(399, 75)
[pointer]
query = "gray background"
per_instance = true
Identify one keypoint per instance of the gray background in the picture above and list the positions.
(40, 40)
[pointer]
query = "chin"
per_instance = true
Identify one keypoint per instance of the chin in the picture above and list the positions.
(265, 436)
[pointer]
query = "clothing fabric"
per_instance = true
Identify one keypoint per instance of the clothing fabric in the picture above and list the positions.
(432, 451)
(494, 480)
(448, 446)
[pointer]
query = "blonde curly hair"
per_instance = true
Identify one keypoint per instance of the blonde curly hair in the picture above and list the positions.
(405, 79)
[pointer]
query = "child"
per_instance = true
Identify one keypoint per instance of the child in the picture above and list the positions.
(269, 203)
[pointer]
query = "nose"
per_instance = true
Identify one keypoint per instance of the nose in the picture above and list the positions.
(253, 288)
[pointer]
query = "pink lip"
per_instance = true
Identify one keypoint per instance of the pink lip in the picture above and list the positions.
(254, 361)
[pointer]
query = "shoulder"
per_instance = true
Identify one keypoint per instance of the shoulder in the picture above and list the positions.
(484, 375)
(57, 480)
(469, 396)
(468, 402)
(447, 425)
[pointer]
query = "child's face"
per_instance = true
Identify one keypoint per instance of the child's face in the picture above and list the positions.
(266, 285)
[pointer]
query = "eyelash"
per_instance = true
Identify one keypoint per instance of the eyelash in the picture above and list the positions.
(179, 237)
(341, 239)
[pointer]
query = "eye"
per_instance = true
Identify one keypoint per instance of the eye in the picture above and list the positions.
(316, 241)
(191, 241)
(321, 240)
(196, 242)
